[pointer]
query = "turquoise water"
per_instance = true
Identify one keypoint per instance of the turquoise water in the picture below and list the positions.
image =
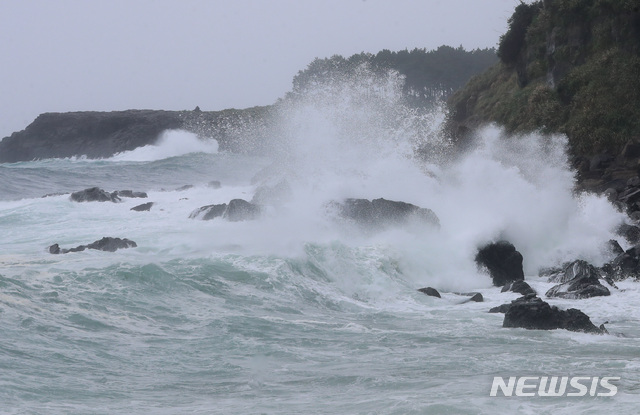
(293, 313)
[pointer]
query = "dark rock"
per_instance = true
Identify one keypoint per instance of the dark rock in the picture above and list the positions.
(473, 297)
(145, 207)
(630, 232)
(551, 272)
(130, 194)
(500, 309)
(209, 212)
(112, 244)
(430, 291)
(535, 314)
(380, 212)
(579, 280)
(214, 184)
(237, 210)
(519, 286)
(240, 210)
(502, 261)
(579, 288)
(477, 298)
(94, 194)
(185, 187)
(105, 244)
(614, 247)
(625, 265)
(572, 270)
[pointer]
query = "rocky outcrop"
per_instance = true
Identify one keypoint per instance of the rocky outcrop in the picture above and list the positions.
(475, 298)
(145, 207)
(625, 265)
(578, 279)
(209, 212)
(520, 287)
(95, 194)
(432, 292)
(502, 261)
(235, 211)
(532, 313)
(578, 288)
(105, 244)
(379, 213)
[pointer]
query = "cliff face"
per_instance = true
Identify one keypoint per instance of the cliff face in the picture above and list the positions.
(103, 134)
(567, 66)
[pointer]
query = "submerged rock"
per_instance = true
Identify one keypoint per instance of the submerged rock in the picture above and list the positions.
(503, 262)
(476, 298)
(432, 292)
(236, 210)
(130, 194)
(209, 212)
(532, 313)
(380, 212)
(520, 287)
(145, 207)
(105, 244)
(94, 194)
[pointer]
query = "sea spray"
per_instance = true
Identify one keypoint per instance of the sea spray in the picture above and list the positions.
(171, 143)
(357, 137)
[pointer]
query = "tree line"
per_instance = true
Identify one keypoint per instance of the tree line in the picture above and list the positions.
(428, 75)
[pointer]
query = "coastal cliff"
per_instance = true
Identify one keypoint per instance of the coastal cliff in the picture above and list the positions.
(103, 134)
(569, 67)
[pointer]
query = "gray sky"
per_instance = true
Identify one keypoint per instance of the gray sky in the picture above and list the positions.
(73, 55)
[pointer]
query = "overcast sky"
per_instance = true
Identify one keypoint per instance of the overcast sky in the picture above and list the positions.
(73, 55)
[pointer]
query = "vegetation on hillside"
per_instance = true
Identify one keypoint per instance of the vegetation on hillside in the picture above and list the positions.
(428, 75)
(576, 71)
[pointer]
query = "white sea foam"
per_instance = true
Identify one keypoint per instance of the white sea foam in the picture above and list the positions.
(171, 143)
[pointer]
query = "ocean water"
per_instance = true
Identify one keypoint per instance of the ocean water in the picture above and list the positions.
(296, 312)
